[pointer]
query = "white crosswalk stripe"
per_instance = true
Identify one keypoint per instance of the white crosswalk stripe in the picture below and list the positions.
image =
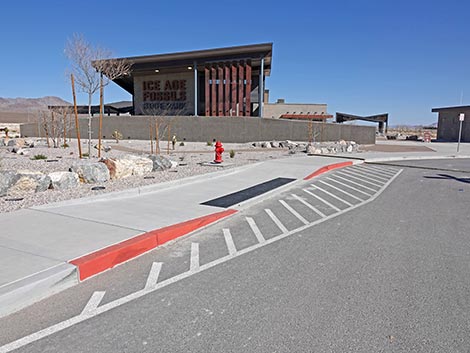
(294, 212)
(322, 200)
(331, 194)
(314, 209)
(276, 220)
(335, 176)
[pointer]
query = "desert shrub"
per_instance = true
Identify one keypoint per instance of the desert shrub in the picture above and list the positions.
(232, 153)
(209, 143)
(117, 136)
(38, 157)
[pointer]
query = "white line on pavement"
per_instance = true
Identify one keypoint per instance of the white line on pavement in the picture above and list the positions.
(294, 212)
(341, 190)
(389, 171)
(153, 276)
(255, 230)
(361, 179)
(314, 209)
(322, 200)
(136, 295)
(332, 195)
(276, 220)
(373, 178)
(93, 303)
(232, 250)
(348, 186)
(194, 265)
(370, 174)
(354, 183)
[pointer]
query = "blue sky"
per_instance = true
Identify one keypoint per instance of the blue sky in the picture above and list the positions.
(358, 56)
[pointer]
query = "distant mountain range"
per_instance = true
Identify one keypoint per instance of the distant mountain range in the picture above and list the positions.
(28, 105)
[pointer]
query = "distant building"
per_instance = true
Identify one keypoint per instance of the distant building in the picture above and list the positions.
(448, 123)
(298, 111)
(381, 119)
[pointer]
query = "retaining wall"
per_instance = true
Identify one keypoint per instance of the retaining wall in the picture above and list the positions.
(226, 129)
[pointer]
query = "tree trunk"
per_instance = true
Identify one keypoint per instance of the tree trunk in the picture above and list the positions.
(89, 124)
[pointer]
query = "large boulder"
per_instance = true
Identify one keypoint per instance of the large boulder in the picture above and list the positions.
(129, 165)
(64, 180)
(16, 142)
(29, 182)
(91, 172)
(8, 178)
(310, 149)
(162, 163)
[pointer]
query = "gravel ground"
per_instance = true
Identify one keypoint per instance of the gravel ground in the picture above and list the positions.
(59, 159)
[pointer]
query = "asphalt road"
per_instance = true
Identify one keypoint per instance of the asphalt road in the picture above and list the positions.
(365, 259)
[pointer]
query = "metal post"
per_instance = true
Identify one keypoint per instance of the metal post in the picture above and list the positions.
(461, 118)
(195, 89)
(261, 89)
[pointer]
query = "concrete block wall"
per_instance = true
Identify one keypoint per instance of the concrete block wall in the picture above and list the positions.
(448, 125)
(226, 129)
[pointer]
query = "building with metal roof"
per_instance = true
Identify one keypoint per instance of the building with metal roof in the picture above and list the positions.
(214, 82)
(448, 124)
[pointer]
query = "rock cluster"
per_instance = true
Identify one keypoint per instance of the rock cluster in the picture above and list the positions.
(25, 181)
(341, 146)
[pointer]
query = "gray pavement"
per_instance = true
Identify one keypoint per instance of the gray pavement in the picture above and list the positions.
(384, 272)
(36, 244)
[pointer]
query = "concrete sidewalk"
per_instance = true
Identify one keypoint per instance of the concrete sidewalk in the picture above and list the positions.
(38, 244)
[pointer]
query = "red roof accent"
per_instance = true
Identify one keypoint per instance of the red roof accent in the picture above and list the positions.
(307, 116)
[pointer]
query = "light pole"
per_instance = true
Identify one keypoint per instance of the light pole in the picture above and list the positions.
(461, 119)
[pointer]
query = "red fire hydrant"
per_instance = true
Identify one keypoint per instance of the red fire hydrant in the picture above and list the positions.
(218, 152)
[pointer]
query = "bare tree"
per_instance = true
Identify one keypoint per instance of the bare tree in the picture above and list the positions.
(89, 64)
(55, 125)
(161, 123)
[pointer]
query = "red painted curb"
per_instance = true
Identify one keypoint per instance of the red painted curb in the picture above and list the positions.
(327, 168)
(101, 260)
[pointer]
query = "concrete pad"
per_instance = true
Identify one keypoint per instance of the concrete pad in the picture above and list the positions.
(162, 208)
(25, 291)
(57, 237)
(16, 264)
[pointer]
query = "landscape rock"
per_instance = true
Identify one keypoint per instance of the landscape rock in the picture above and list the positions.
(91, 173)
(349, 149)
(29, 182)
(22, 151)
(266, 145)
(128, 165)
(64, 180)
(310, 149)
(16, 142)
(324, 150)
(111, 165)
(104, 148)
(8, 178)
(162, 163)
(274, 144)
(2, 142)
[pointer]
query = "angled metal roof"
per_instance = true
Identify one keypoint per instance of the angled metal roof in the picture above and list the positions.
(457, 107)
(169, 61)
(341, 117)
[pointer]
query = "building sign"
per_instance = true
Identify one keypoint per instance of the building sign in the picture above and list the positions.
(164, 94)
